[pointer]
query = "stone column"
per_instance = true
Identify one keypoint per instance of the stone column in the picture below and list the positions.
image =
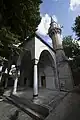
(6, 78)
(15, 82)
(15, 86)
(1, 73)
(35, 84)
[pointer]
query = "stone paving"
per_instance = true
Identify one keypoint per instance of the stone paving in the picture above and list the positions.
(7, 109)
(47, 98)
(45, 95)
(68, 109)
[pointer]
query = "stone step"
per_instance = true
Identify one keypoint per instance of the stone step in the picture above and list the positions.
(32, 105)
(27, 110)
(55, 101)
(35, 111)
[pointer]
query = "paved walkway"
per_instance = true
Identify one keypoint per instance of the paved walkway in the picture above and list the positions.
(68, 109)
(45, 95)
(7, 109)
(46, 102)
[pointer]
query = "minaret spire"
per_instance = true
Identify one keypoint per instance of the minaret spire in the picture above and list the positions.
(52, 21)
(55, 34)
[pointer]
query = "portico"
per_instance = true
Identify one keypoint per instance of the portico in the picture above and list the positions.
(38, 66)
(43, 66)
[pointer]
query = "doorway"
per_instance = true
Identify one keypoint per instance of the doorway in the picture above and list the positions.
(43, 81)
(25, 81)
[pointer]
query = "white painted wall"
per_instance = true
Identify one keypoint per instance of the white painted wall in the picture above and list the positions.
(39, 47)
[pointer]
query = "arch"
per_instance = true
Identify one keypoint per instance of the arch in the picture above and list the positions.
(40, 47)
(50, 55)
(47, 70)
(44, 48)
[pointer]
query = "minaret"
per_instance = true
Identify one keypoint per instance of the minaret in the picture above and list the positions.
(55, 34)
(64, 71)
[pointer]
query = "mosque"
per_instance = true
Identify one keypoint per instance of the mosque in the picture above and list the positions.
(43, 66)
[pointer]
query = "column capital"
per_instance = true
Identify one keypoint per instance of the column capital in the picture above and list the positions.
(35, 61)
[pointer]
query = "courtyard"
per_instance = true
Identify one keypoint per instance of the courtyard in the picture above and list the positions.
(40, 107)
(65, 105)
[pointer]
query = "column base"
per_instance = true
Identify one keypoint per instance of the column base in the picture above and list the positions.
(35, 96)
(14, 92)
(35, 99)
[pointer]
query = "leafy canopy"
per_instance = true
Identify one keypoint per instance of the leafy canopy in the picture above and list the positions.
(72, 50)
(71, 47)
(76, 27)
(18, 20)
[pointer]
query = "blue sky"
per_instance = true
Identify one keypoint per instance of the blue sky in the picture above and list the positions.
(64, 10)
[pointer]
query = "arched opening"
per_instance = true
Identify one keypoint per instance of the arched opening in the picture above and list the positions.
(46, 71)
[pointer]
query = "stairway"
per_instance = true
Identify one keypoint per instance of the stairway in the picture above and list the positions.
(36, 111)
(55, 101)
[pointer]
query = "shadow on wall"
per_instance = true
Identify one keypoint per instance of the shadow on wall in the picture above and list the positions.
(26, 69)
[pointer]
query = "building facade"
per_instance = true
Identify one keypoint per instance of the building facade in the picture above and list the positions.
(42, 66)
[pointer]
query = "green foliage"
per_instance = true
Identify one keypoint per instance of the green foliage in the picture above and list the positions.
(72, 50)
(18, 20)
(22, 16)
(8, 41)
(76, 27)
(71, 47)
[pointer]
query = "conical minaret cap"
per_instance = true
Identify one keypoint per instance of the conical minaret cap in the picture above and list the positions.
(53, 22)
(54, 27)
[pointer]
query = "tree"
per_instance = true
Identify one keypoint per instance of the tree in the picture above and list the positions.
(18, 21)
(71, 47)
(76, 27)
(72, 51)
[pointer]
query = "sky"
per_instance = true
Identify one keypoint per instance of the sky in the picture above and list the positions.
(63, 11)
